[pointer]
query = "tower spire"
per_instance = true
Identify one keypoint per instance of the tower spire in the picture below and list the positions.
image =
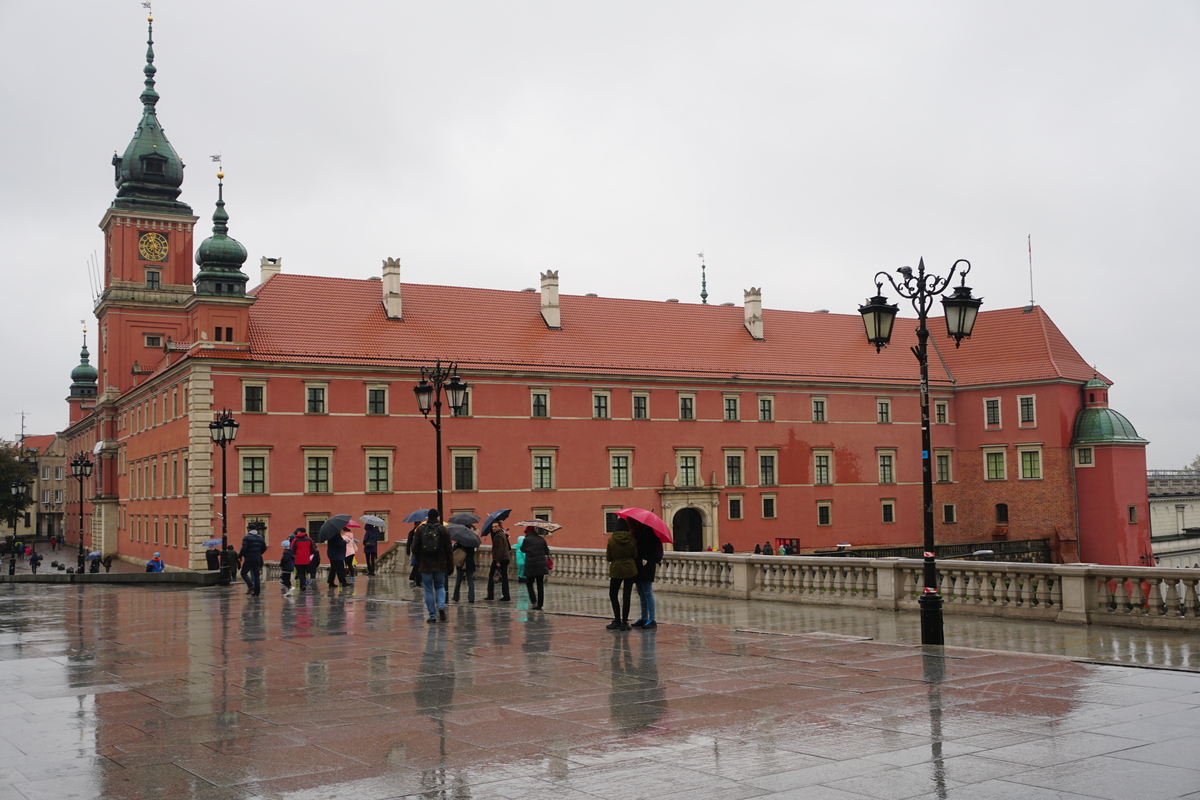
(703, 281)
(220, 257)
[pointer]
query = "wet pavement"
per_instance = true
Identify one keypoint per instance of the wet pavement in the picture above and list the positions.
(117, 692)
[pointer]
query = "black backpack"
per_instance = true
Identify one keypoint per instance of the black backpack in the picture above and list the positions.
(431, 542)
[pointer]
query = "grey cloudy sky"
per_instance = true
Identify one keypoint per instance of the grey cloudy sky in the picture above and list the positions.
(801, 145)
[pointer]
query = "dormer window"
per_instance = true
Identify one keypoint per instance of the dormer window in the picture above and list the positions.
(154, 164)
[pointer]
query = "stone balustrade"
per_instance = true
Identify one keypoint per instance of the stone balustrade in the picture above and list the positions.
(1148, 597)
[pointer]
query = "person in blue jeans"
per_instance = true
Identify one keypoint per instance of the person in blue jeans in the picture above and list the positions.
(431, 546)
(649, 553)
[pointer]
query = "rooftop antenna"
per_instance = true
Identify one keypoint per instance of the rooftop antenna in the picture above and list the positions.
(703, 281)
(1029, 307)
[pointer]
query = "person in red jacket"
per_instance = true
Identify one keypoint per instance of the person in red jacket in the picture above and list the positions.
(304, 548)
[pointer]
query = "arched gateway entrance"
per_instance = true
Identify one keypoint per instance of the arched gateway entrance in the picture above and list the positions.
(688, 529)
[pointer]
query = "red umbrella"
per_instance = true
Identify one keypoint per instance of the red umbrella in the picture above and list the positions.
(650, 520)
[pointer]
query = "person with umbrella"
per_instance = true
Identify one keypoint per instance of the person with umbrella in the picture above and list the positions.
(333, 532)
(649, 554)
(431, 546)
(537, 565)
(372, 528)
(253, 548)
(464, 540)
(501, 556)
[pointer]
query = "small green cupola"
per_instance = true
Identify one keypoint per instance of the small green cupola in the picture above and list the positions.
(220, 257)
(83, 377)
(1096, 423)
(150, 173)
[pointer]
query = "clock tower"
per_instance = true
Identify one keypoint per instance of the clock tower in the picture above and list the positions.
(147, 252)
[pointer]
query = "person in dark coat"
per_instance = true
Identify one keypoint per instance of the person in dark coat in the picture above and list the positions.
(287, 563)
(212, 559)
(649, 554)
(501, 555)
(370, 544)
(758, 549)
(621, 554)
(34, 560)
(537, 555)
(464, 570)
(431, 545)
(253, 548)
(335, 551)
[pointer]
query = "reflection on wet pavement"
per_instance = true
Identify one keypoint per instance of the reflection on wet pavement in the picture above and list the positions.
(124, 692)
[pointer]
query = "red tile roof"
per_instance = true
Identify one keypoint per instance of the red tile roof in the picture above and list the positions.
(314, 319)
(40, 442)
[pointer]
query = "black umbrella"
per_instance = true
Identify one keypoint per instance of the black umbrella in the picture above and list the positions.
(463, 535)
(495, 516)
(420, 515)
(333, 527)
(464, 518)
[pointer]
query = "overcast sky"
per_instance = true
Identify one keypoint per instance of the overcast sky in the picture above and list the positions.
(802, 146)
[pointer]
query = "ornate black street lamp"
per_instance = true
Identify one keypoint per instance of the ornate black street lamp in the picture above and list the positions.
(81, 468)
(20, 490)
(223, 430)
(429, 394)
(878, 316)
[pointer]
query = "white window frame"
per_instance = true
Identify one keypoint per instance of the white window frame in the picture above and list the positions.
(324, 387)
(1089, 461)
(375, 387)
(773, 454)
(773, 499)
(883, 410)
(766, 414)
(827, 453)
(1003, 453)
(740, 454)
(949, 456)
(949, 509)
(1022, 450)
(736, 399)
(388, 453)
(261, 384)
(691, 398)
(822, 411)
(1021, 422)
(999, 423)
(633, 405)
(542, 452)
(256, 452)
(889, 454)
(740, 499)
(941, 408)
(533, 394)
(885, 504)
(318, 452)
(154, 340)
(464, 452)
(627, 454)
(606, 395)
(828, 506)
(688, 452)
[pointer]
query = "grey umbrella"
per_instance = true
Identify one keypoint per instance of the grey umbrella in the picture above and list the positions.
(463, 535)
(464, 518)
(420, 515)
(333, 527)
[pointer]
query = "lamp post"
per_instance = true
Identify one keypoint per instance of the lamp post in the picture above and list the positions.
(223, 430)
(19, 489)
(429, 394)
(878, 317)
(81, 468)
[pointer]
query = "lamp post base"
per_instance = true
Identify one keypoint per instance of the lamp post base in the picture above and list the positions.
(931, 619)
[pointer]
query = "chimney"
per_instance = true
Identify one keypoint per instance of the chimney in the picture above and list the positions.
(550, 310)
(753, 310)
(391, 288)
(269, 267)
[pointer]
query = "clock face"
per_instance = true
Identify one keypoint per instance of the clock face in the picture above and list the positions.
(152, 247)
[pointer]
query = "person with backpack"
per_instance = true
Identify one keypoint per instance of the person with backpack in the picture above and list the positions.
(370, 545)
(155, 564)
(34, 560)
(304, 549)
(253, 548)
(432, 550)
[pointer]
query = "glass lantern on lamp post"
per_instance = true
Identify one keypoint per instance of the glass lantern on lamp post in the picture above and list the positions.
(81, 469)
(429, 396)
(223, 430)
(879, 316)
(20, 490)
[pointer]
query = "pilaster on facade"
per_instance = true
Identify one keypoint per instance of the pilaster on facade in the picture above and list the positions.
(201, 466)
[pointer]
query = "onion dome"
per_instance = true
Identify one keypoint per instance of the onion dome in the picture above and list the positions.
(1096, 423)
(84, 376)
(220, 257)
(150, 173)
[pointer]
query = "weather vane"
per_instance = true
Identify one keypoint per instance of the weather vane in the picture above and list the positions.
(703, 281)
(217, 158)
(146, 4)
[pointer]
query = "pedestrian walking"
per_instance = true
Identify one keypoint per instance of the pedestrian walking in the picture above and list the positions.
(232, 563)
(107, 562)
(537, 565)
(35, 559)
(621, 554)
(431, 546)
(253, 548)
(287, 563)
(464, 567)
(155, 564)
(370, 547)
(335, 551)
(501, 556)
(351, 553)
(304, 550)
(649, 554)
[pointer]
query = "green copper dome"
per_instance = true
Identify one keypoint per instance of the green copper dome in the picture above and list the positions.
(150, 174)
(1103, 425)
(83, 377)
(220, 257)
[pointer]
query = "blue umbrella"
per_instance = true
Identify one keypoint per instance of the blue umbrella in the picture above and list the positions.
(495, 516)
(420, 515)
(212, 543)
(94, 556)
